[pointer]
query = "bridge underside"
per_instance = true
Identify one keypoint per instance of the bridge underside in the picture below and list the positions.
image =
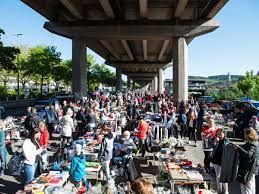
(140, 38)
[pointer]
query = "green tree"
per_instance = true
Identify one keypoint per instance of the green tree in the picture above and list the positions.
(5, 77)
(96, 73)
(248, 84)
(63, 72)
(7, 54)
(3, 92)
(41, 61)
(254, 92)
(235, 93)
(24, 79)
(19, 67)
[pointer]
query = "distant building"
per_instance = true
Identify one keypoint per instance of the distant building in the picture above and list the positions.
(195, 86)
(168, 84)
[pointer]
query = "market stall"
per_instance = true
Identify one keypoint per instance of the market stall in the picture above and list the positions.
(13, 128)
(181, 173)
(58, 180)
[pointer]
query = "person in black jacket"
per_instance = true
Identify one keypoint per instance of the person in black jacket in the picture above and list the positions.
(91, 120)
(241, 123)
(216, 158)
(32, 120)
(248, 155)
(51, 119)
(201, 114)
(82, 121)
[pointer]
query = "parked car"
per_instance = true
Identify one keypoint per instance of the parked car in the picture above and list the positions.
(41, 103)
(255, 104)
(224, 106)
(64, 97)
(249, 106)
(206, 99)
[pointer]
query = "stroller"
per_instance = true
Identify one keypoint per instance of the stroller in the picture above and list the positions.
(125, 168)
(122, 164)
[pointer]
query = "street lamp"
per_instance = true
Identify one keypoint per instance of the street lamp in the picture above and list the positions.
(18, 71)
(17, 37)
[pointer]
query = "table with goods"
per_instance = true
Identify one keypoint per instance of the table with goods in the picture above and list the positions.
(182, 174)
(57, 180)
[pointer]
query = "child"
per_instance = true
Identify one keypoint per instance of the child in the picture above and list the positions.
(77, 168)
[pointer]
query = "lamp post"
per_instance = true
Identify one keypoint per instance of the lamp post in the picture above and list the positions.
(18, 68)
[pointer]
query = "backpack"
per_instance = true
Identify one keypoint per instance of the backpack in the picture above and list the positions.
(16, 163)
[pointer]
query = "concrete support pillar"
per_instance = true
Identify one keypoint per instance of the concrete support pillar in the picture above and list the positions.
(118, 80)
(145, 88)
(156, 83)
(160, 81)
(180, 69)
(128, 83)
(79, 67)
(133, 85)
(153, 84)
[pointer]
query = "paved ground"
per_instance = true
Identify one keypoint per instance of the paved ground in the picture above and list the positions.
(10, 184)
(148, 169)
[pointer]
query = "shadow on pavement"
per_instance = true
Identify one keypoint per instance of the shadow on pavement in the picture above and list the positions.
(8, 186)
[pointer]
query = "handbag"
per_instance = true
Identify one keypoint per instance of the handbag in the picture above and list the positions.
(16, 163)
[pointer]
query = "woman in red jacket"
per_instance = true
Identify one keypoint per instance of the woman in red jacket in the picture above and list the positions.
(44, 138)
(208, 135)
(142, 134)
(44, 141)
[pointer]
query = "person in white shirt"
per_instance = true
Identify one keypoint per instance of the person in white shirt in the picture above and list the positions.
(31, 150)
(67, 127)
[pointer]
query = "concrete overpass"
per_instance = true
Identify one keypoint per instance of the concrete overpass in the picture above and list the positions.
(137, 37)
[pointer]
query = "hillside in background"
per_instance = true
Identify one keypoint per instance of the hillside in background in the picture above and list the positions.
(197, 77)
(225, 77)
(216, 78)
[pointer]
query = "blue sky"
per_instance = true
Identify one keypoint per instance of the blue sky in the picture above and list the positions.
(234, 47)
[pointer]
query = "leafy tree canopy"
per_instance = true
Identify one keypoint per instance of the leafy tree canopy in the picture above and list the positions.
(96, 73)
(249, 85)
(41, 60)
(7, 54)
(63, 72)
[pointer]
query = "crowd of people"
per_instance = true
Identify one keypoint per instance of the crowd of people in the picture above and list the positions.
(126, 113)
